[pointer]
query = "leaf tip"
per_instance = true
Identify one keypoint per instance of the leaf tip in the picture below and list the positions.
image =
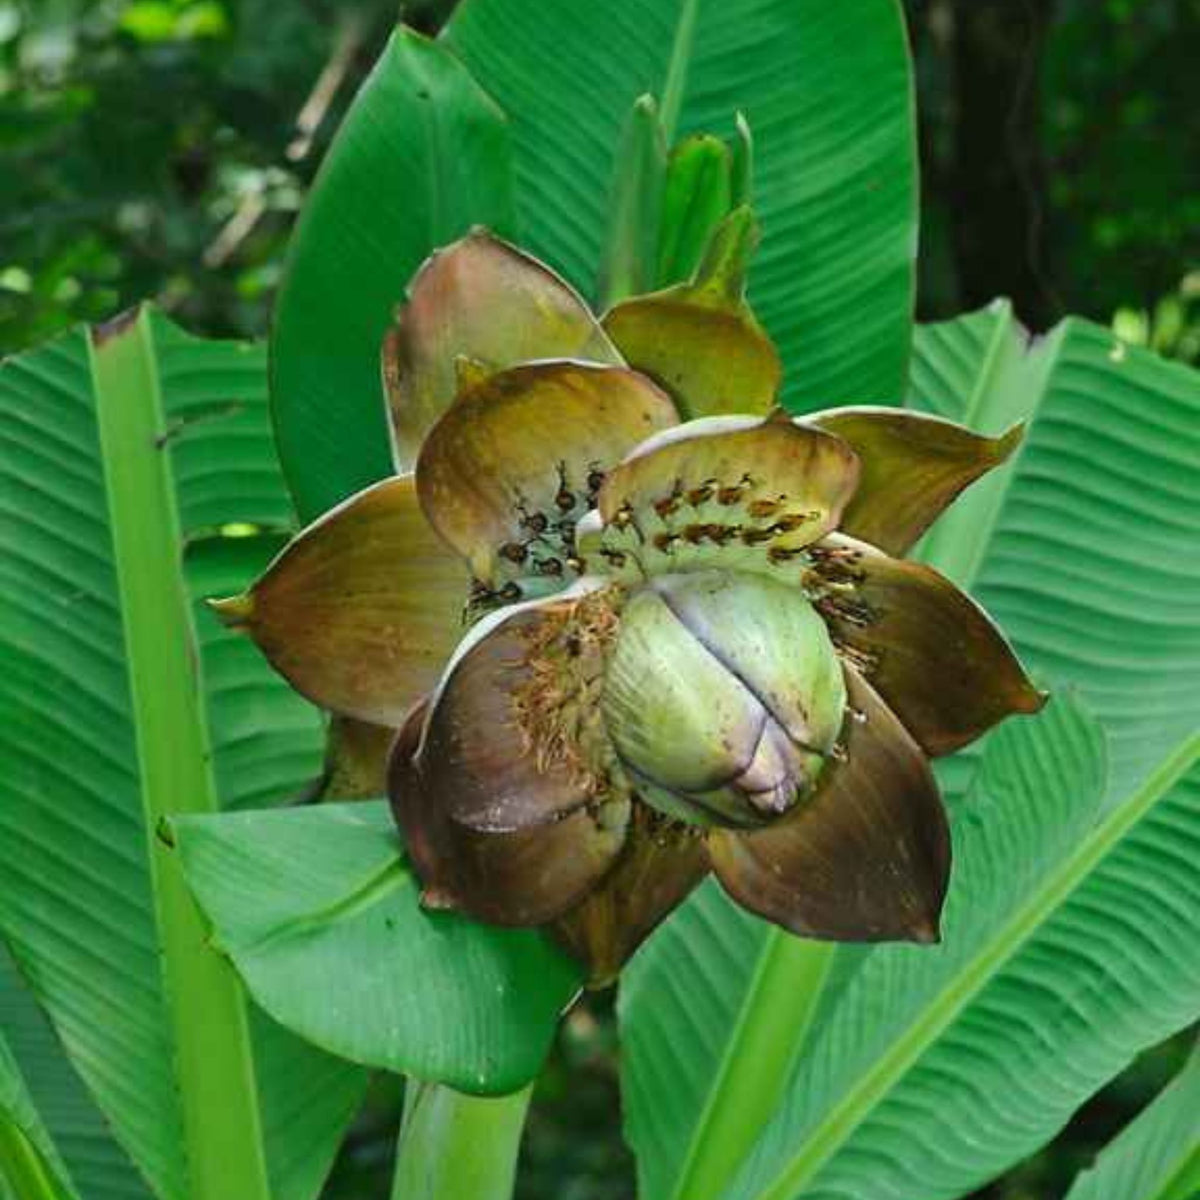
(235, 612)
(1008, 441)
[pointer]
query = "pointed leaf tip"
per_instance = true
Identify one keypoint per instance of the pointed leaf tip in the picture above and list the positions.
(235, 612)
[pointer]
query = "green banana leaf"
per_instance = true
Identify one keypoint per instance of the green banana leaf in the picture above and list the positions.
(318, 909)
(98, 1168)
(420, 157)
(826, 89)
(30, 1165)
(124, 450)
(1157, 1156)
(1085, 548)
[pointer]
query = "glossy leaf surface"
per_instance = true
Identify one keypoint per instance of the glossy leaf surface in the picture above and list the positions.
(320, 912)
(96, 1164)
(420, 157)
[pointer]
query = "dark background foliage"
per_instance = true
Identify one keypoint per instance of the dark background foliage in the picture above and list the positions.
(162, 148)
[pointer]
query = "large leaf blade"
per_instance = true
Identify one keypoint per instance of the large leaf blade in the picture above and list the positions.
(84, 900)
(420, 157)
(1084, 545)
(320, 912)
(1124, 635)
(827, 91)
(937, 1074)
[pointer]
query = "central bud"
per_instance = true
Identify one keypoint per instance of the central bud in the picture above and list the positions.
(723, 696)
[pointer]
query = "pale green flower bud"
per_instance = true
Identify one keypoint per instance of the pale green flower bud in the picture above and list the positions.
(723, 696)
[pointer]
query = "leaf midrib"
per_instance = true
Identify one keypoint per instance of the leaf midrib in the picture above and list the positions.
(379, 884)
(206, 1012)
(746, 1088)
(845, 1116)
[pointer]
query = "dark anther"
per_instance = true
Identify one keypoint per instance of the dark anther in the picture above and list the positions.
(756, 537)
(791, 521)
(664, 541)
(510, 592)
(613, 557)
(778, 554)
(535, 522)
(763, 508)
(702, 494)
(515, 552)
(732, 494)
(548, 566)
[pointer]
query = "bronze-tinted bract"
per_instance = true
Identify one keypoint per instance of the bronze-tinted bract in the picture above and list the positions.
(486, 747)
(927, 648)
(362, 609)
(660, 863)
(699, 339)
(913, 466)
(502, 821)
(484, 300)
(356, 758)
(867, 858)
(525, 443)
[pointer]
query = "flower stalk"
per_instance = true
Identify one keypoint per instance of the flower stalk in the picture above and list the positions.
(452, 1146)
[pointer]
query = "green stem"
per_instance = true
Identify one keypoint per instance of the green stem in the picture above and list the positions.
(22, 1167)
(453, 1146)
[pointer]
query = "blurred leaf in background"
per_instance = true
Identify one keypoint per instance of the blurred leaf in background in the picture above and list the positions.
(160, 148)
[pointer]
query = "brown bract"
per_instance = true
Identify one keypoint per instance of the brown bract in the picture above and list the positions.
(525, 443)
(361, 611)
(486, 301)
(867, 858)
(517, 824)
